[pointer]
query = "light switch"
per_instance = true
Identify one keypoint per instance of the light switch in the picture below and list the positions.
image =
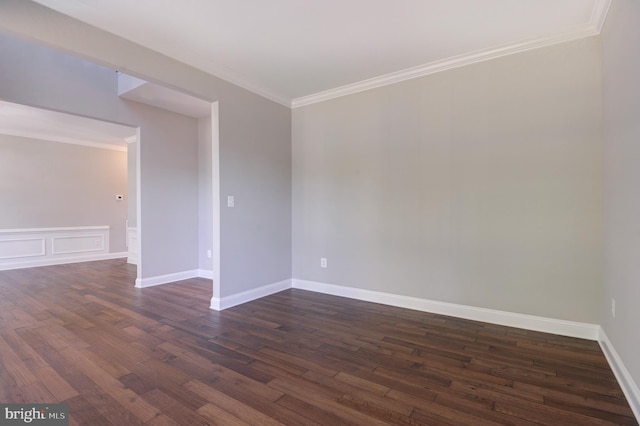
(231, 202)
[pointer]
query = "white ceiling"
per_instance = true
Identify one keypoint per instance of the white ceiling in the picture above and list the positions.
(301, 51)
(26, 121)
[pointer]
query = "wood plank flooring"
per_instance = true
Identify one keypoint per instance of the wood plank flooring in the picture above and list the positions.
(83, 335)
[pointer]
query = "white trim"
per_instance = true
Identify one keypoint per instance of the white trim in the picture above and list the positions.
(215, 200)
(99, 240)
(41, 252)
(131, 139)
(132, 245)
(138, 242)
(61, 229)
(61, 261)
(166, 279)
(510, 319)
(592, 28)
(53, 246)
(61, 139)
(205, 273)
(220, 304)
(171, 278)
(626, 382)
(443, 65)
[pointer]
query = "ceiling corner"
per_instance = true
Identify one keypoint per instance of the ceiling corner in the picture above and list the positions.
(599, 15)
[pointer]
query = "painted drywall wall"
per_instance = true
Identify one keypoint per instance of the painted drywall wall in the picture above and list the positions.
(621, 68)
(480, 186)
(33, 75)
(205, 193)
(46, 184)
(255, 168)
(169, 190)
(132, 164)
(255, 142)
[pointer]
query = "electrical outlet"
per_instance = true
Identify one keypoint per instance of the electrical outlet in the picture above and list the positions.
(323, 262)
(613, 308)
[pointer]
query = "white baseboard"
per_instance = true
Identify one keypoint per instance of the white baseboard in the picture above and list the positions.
(132, 258)
(61, 260)
(628, 385)
(510, 319)
(205, 273)
(166, 279)
(220, 304)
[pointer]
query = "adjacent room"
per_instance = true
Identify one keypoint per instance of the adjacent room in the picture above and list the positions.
(219, 212)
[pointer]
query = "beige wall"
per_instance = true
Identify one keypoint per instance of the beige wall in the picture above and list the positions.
(480, 186)
(621, 69)
(46, 184)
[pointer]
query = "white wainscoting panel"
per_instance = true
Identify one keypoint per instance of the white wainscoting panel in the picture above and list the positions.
(132, 245)
(17, 248)
(26, 248)
(73, 244)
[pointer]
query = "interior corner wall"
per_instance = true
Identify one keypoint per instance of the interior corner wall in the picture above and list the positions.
(479, 186)
(47, 184)
(621, 68)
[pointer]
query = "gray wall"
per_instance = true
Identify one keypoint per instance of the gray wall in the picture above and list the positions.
(255, 167)
(255, 142)
(32, 75)
(480, 186)
(205, 205)
(46, 184)
(621, 69)
(132, 188)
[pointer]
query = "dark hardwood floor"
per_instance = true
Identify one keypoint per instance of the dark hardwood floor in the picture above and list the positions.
(83, 335)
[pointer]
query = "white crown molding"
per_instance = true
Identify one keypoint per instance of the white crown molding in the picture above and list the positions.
(443, 65)
(598, 17)
(72, 141)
